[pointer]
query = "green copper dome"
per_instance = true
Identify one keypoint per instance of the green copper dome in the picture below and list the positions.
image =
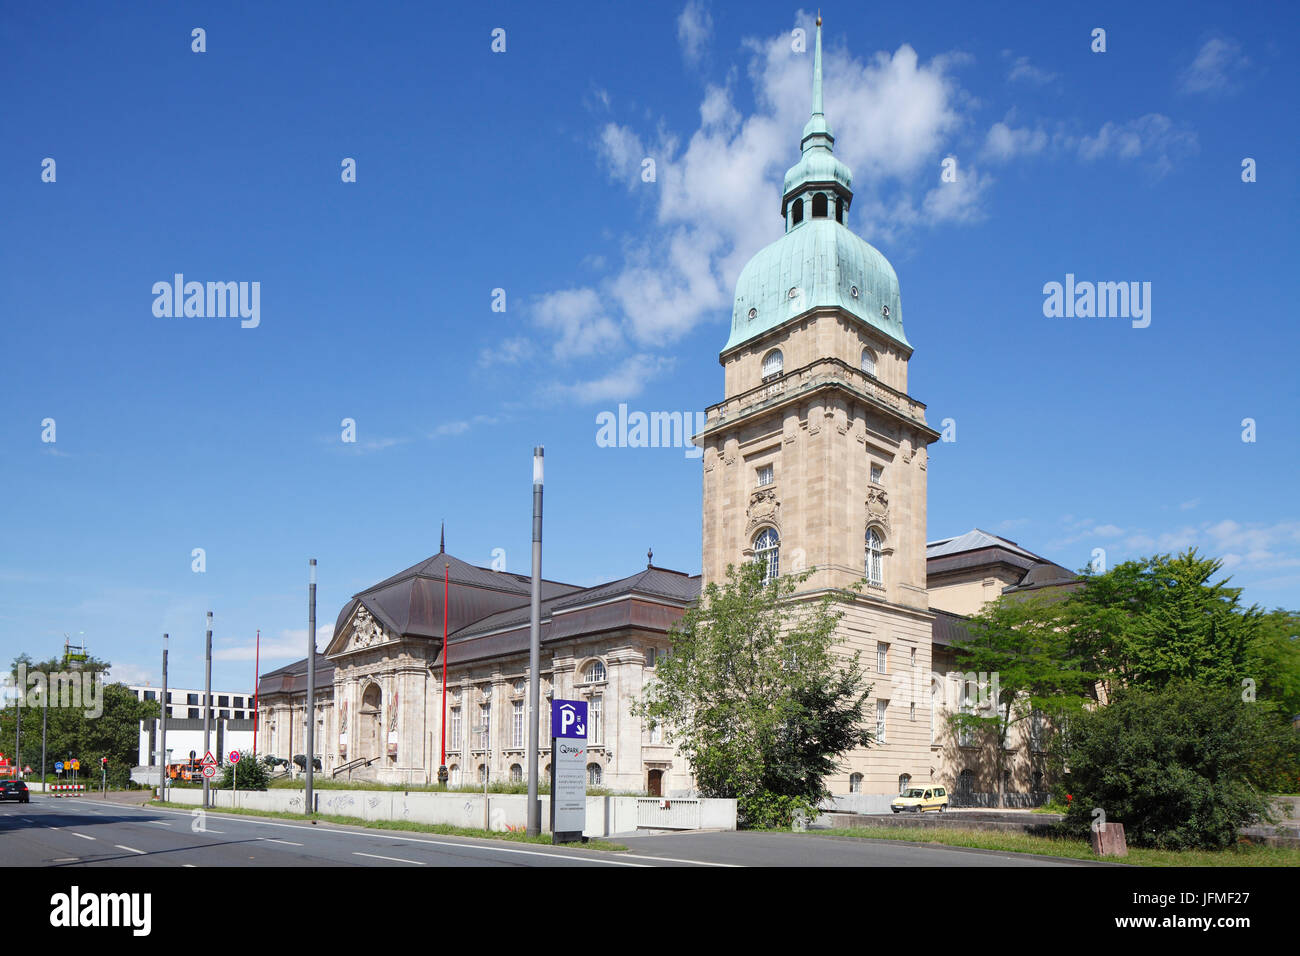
(818, 262)
(823, 264)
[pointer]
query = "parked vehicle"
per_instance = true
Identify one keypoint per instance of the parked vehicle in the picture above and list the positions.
(920, 799)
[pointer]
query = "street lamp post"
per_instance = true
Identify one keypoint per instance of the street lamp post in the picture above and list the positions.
(311, 682)
(534, 647)
(207, 709)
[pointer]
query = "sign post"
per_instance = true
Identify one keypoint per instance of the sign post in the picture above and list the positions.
(568, 771)
(234, 776)
(103, 777)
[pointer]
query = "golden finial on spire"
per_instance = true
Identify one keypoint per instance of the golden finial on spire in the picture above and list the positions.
(819, 16)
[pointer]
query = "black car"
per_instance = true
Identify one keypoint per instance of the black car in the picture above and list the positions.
(15, 790)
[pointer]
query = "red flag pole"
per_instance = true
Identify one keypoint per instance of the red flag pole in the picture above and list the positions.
(446, 589)
(257, 680)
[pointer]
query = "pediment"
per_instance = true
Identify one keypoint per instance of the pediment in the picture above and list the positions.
(361, 632)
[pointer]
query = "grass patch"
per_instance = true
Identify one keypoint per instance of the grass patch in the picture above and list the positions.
(443, 829)
(1241, 855)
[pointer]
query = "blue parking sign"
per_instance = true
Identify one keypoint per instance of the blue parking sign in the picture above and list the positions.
(569, 719)
(58, 766)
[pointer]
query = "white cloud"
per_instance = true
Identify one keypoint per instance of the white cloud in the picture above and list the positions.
(1153, 138)
(1003, 142)
(694, 27)
(510, 351)
(1216, 68)
(580, 319)
(1024, 71)
(623, 382)
(289, 644)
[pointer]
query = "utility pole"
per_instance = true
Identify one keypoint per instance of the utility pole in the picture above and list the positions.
(207, 709)
(311, 682)
(534, 648)
(162, 731)
(45, 718)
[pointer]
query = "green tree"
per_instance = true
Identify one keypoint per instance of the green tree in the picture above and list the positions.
(755, 697)
(1033, 674)
(1148, 622)
(250, 773)
(1184, 766)
(71, 731)
(1275, 661)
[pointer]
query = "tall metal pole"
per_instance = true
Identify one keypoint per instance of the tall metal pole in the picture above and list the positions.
(446, 590)
(207, 708)
(45, 717)
(162, 731)
(18, 733)
(534, 647)
(311, 682)
(257, 682)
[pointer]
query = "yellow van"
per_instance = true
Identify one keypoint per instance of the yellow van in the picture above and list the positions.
(920, 799)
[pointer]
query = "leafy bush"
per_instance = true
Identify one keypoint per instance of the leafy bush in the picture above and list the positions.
(252, 774)
(1183, 767)
(772, 811)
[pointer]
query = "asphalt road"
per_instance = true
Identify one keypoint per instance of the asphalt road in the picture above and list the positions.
(71, 832)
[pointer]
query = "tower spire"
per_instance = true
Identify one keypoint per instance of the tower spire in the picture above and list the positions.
(817, 70)
(442, 543)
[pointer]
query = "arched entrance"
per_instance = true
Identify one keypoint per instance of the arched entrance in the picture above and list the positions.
(655, 783)
(368, 724)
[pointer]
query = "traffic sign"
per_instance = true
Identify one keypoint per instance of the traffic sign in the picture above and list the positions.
(234, 756)
(75, 764)
(58, 766)
(209, 770)
(209, 760)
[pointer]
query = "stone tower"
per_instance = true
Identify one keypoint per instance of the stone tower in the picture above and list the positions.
(816, 456)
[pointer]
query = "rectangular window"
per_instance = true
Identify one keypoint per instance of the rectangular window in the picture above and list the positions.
(876, 474)
(911, 711)
(192, 699)
(485, 720)
(650, 657)
(454, 743)
(223, 700)
(764, 475)
(881, 707)
(913, 657)
(194, 713)
(150, 695)
(882, 657)
(517, 724)
(594, 716)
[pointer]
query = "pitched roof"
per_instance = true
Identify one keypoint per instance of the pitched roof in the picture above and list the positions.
(410, 602)
(675, 586)
(974, 540)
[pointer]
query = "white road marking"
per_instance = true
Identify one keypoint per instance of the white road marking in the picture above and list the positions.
(66, 859)
(83, 836)
(460, 846)
(130, 849)
(395, 859)
(161, 823)
(669, 859)
(189, 865)
(285, 842)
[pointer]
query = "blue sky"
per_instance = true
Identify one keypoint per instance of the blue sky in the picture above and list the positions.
(521, 170)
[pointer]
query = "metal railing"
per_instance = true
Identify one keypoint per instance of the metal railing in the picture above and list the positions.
(666, 814)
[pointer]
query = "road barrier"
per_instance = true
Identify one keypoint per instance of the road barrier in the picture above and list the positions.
(67, 786)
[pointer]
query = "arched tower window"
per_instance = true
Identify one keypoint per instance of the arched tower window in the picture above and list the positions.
(839, 209)
(796, 212)
(819, 206)
(875, 557)
(869, 362)
(767, 552)
(773, 363)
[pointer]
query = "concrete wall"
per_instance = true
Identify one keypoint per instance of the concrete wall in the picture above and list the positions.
(506, 811)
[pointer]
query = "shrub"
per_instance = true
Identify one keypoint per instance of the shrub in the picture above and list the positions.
(1184, 767)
